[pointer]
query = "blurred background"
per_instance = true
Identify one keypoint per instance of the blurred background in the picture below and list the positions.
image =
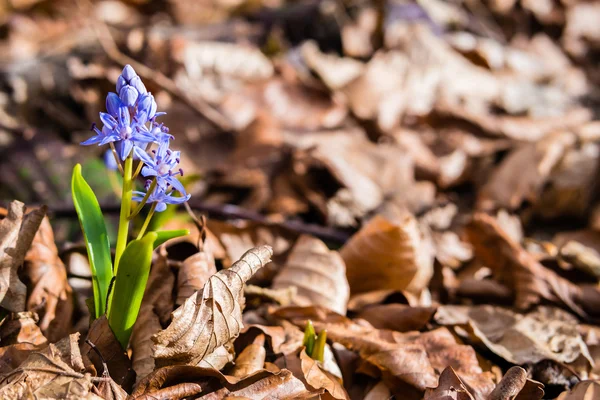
(315, 114)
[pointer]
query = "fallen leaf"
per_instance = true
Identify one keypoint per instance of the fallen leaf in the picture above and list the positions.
(511, 384)
(512, 265)
(50, 293)
(449, 387)
(211, 317)
(251, 359)
(397, 317)
(116, 359)
(313, 375)
(179, 381)
(21, 328)
(582, 391)
(55, 372)
(11, 356)
(546, 333)
(256, 295)
(194, 273)
(317, 272)
(387, 254)
(17, 231)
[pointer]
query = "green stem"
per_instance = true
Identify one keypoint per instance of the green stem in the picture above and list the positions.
(147, 221)
(125, 211)
(144, 200)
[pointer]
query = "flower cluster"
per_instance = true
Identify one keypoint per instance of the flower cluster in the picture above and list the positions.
(130, 125)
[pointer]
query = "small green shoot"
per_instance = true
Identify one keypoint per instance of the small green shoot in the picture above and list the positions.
(315, 345)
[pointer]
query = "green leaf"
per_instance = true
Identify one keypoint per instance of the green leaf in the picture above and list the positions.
(309, 337)
(163, 236)
(129, 286)
(318, 352)
(96, 238)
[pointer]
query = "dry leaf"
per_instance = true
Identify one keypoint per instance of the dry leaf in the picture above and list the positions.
(318, 273)
(56, 372)
(546, 333)
(251, 359)
(211, 317)
(105, 342)
(17, 231)
(13, 355)
(21, 328)
(449, 387)
(316, 378)
(387, 254)
(50, 294)
(519, 270)
(178, 382)
(584, 390)
(397, 317)
(194, 273)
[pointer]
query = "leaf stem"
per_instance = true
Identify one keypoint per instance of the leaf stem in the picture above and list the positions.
(147, 221)
(125, 210)
(144, 200)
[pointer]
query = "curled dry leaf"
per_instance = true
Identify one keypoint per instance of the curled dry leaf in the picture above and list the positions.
(211, 317)
(180, 381)
(50, 293)
(194, 273)
(155, 310)
(17, 231)
(512, 265)
(387, 254)
(55, 372)
(318, 273)
(21, 328)
(511, 384)
(313, 375)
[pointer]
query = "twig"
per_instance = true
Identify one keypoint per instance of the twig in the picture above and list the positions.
(105, 373)
(230, 211)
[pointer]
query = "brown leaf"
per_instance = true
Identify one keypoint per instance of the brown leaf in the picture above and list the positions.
(119, 365)
(17, 231)
(107, 389)
(397, 317)
(211, 317)
(512, 265)
(387, 254)
(251, 359)
(256, 295)
(584, 390)
(194, 273)
(11, 356)
(21, 328)
(318, 273)
(50, 294)
(56, 372)
(155, 310)
(546, 333)
(449, 387)
(313, 375)
(179, 381)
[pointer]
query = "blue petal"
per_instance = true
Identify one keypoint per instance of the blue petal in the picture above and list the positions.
(109, 160)
(92, 140)
(136, 82)
(120, 83)
(128, 95)
(148, 171)
(128, 73)
(126, 149)
(113, 103)
(160, 207)
(176, 184)
(113, 137)
(141, 136)
(124, 117)
(108, 120)
(142, 155)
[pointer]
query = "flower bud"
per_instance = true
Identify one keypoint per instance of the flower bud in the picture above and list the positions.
(128, 95)
(128, 73)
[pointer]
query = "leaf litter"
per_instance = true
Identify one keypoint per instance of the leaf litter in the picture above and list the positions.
(422, 174)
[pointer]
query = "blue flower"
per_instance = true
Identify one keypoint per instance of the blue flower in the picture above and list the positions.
(109, 160)
(161, 198)
(121, 130)
(161, 166)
